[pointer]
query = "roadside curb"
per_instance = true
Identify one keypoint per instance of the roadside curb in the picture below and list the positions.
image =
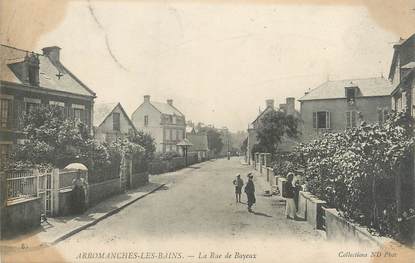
(83, 227)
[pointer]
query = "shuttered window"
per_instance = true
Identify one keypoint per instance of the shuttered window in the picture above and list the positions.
(6, 113)
(321, 120)
(351, 119)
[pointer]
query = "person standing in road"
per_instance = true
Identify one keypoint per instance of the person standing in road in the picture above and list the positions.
(290, 208)
(250, 192)
(238, 183)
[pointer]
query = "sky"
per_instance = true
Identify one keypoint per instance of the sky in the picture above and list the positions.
(217, 62)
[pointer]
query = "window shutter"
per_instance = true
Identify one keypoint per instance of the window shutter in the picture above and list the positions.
(353, 119)
(328, 119)
(315, 120)
(348, 119)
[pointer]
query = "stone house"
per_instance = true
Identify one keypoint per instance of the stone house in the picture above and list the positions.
(287, 143)
(402, 76)
(163, 121)
(199, 145)
(336, 105)
(111, 122)
(29, 79)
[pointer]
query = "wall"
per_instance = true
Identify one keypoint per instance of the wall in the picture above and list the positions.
(154, 127)
(20, 217)
(368, 106)
(139, 179)
(101, 191)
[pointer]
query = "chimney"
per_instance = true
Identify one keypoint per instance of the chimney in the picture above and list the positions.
(290, 101)
(170, 102)
(269, 103)
(52, 53)
(283, 107)
(146, 98)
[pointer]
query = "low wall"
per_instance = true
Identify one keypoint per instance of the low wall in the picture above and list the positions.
(21, 216)
(100, 191)
(340, 230)
(64, 202)
(139, 179)
(302, 204)
(315, 211)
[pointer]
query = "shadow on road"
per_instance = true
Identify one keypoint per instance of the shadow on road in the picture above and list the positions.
(260, 214)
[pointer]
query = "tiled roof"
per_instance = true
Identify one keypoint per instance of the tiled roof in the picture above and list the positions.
(165, 108)
(336, 89)
(199, 141)
(47, 72)
(101, 111)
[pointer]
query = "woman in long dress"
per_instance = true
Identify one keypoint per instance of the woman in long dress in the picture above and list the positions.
(78, 195)
(250, 192)
(290, 208)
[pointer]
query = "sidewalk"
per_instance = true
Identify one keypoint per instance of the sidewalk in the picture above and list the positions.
(59, 228)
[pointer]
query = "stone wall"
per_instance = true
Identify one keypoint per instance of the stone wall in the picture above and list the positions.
(103, 190)
(139, 179)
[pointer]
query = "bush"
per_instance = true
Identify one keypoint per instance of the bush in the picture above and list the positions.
(354, 170)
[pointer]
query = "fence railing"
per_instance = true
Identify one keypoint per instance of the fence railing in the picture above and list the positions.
(21, 184)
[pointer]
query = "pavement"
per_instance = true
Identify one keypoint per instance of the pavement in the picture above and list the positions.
(56, 229)
(192, 217)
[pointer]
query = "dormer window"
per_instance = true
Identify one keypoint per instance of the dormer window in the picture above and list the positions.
(351, 95)
(32, 69)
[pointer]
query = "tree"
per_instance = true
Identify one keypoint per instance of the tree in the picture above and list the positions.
(244, 145)
(51, 138)
(145, 140)
(273, 127)
(214, 137)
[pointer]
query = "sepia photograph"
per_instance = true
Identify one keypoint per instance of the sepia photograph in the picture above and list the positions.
(207, 131)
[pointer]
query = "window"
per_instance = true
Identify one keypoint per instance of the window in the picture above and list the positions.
(177, 135)
(116, 121)
(146, 120)
(170, 134)
(170, 119)
(351, 119)
(78, 115)
(321, 120)
(382, 115)
(351, 94)
(5, 113)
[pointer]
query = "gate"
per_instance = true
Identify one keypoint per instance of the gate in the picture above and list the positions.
(45, 192)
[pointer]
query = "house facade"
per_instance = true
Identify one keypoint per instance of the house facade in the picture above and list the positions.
(29, 79)
(163, 121)
(111, 122)
(287, 144)
(402, 76)
(199, 143)
(337, 105)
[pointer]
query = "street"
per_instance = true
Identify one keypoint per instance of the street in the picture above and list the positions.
(195, 217)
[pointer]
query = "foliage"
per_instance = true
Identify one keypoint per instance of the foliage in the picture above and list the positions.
(51, 138)
(214, 137)
(244, 145)
(166, 156)
(273, 126)
(145, 140)
(354, 170)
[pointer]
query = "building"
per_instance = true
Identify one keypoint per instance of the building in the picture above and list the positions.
(29, 79)
(287, 144)
(402, 76)
(336, 105)
(111, 122)
(199, 146)
(163, 121)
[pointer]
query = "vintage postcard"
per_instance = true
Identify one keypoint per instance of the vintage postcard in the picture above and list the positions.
(207, 131)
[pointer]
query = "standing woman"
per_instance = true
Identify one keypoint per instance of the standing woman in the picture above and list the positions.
(78, 194)
(290, 208)
(250, 192)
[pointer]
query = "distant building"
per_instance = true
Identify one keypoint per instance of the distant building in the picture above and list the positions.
(111, 122)
(402, 75)
(29, 79)
(336, 105)
(199, 144)
(163, 121)
(287, 143)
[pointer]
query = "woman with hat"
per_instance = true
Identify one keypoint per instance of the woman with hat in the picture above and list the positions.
(250, 192)
(238, 182)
